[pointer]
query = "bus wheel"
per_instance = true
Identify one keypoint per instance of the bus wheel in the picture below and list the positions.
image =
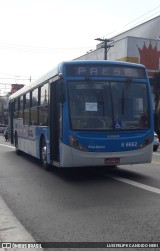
(43, 153)
(16, 145)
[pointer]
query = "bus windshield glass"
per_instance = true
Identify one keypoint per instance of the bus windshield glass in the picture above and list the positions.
(108, 105)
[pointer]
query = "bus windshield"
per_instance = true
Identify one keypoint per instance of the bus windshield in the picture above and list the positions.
(108, 105)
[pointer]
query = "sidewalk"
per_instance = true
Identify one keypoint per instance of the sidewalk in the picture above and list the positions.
(11, 230)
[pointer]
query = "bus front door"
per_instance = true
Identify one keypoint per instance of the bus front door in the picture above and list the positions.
(54, 123)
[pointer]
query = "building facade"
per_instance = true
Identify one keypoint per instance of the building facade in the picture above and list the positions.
(4, 103)
(140, 44)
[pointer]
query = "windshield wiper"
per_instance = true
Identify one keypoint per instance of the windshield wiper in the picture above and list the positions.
(124, 95)
(95, 92)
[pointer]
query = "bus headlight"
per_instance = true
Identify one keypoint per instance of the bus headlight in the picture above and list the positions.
(145, 142)
(74, 143)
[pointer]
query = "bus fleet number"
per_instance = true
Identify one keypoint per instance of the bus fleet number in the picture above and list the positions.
(129, 144)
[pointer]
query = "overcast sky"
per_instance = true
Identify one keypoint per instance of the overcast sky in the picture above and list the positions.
(35, 35)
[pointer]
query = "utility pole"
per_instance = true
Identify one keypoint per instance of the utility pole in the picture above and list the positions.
(105, 45)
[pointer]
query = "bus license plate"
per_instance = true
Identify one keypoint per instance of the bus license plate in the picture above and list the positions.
(112, 161)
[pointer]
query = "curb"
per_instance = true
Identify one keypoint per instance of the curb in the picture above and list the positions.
(11, 230)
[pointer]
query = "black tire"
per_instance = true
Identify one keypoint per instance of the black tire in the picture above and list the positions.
(43, 155)
(155, 148)
(114, 166)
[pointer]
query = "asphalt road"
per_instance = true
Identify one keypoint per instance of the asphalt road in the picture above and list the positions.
(83, 204)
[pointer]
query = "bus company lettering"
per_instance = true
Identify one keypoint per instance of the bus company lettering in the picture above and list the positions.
(109, 70)
(113, 136)
(96, 147)
(92, 71)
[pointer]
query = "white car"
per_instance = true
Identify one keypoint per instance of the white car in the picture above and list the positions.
(156, 142)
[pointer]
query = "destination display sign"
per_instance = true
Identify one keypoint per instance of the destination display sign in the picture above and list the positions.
(105, 71)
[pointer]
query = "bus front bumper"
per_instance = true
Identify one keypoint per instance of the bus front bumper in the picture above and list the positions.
(70, 157)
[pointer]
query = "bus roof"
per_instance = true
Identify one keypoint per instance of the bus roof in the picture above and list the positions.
(59, 69)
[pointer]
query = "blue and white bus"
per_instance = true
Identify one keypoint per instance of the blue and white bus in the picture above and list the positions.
(85, 113)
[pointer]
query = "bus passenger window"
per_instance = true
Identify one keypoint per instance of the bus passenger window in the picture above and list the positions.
(16, 109)
(43, 115)
(44, 94)
(34, 116)
(26, 117)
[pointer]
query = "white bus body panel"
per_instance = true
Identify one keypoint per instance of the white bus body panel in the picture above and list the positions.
(28, 146)
(70, 157)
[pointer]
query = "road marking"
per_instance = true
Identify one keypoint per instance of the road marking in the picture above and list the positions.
(155, 162)
(130, 182)
(136, 184)
(156, 154)
(7, 146)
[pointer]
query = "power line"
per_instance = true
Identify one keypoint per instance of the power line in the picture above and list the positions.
(139, 23)
(122, 30)
(5, 84)
(143, 15)
(36, 49)
(18, 78)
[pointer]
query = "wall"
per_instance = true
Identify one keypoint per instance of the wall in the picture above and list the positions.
(149, 29)
(138, 45)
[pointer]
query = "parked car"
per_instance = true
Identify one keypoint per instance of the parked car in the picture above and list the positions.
(2, 127)
(156, 142)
